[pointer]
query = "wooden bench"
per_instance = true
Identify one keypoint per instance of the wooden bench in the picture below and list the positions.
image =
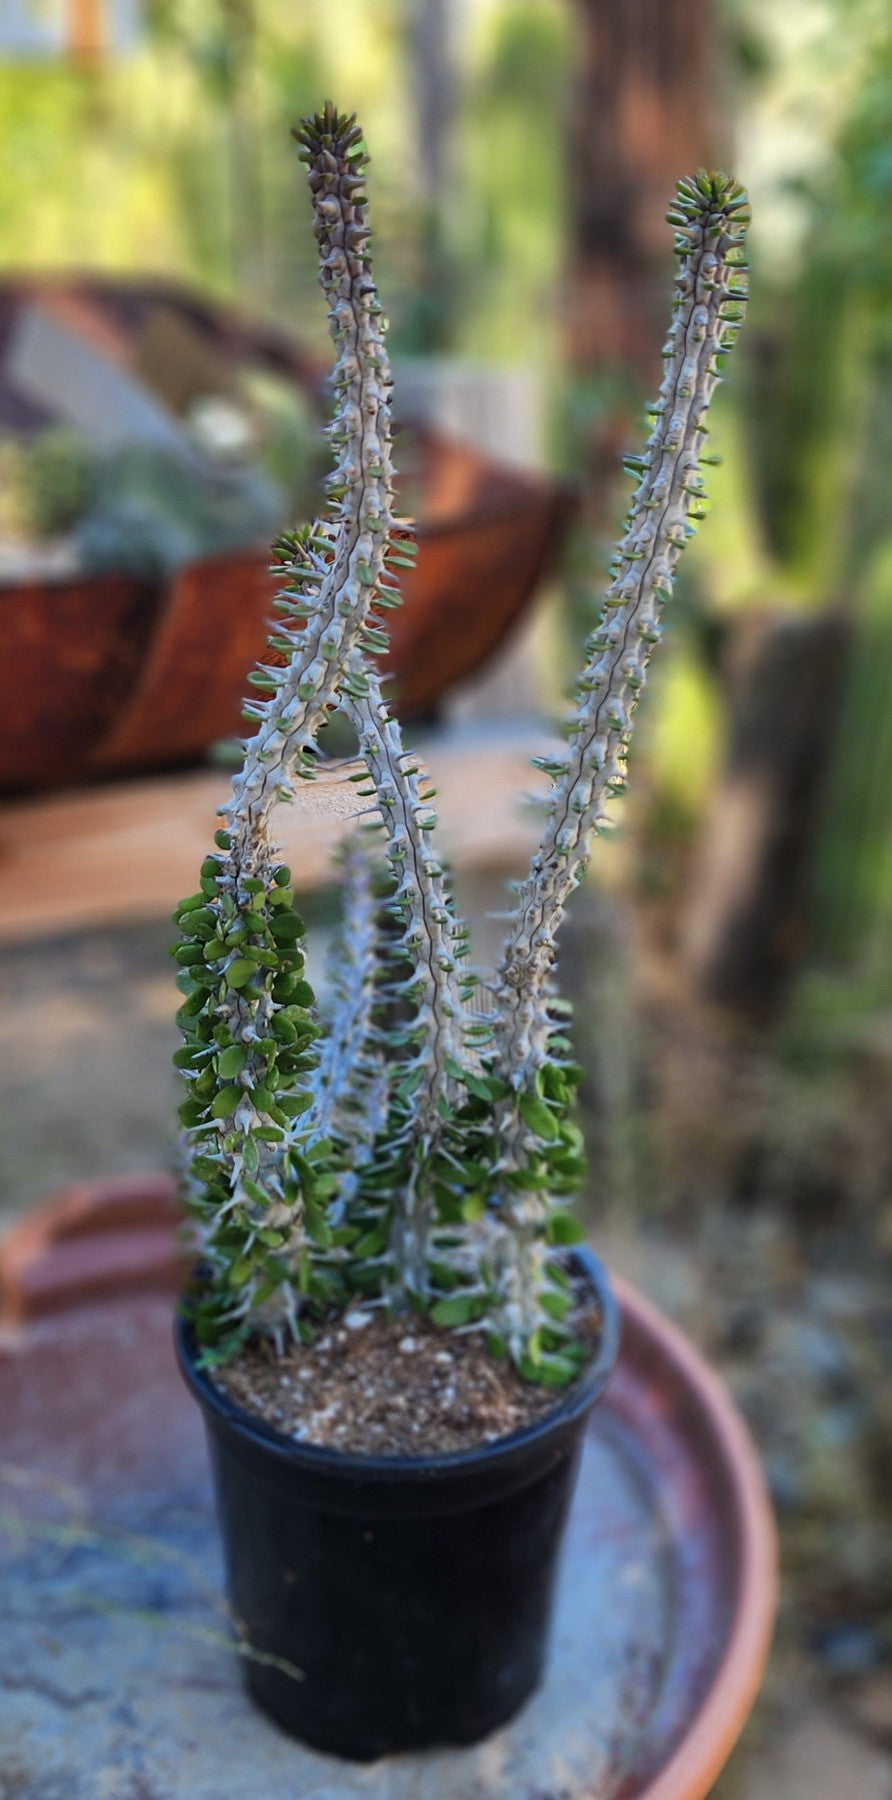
(130, 850)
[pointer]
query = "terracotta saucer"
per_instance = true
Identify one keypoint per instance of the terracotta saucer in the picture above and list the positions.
(116, 1655)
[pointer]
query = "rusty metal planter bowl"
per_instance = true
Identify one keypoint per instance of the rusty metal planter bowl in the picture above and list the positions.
(110, 675)
(72, 649)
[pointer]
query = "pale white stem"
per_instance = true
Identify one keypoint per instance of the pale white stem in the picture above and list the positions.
(348, 1100)
(619, 650)
(428, 938)
(420, 897)
(670, 489)
(343, 564)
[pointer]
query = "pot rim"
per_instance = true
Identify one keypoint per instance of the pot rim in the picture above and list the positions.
(323, 1459)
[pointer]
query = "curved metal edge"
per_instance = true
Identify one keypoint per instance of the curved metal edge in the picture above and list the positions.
(699, 1759)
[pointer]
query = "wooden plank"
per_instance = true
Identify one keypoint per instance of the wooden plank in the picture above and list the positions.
(130, 850)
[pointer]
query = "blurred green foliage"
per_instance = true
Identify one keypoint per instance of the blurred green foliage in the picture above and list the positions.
(172, 159)
(175, 158)
(803, 500)
(853, 873)
(817, 401)
(54, 479)
(819, 431)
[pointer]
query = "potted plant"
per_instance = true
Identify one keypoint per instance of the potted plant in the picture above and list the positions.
(393, 1334)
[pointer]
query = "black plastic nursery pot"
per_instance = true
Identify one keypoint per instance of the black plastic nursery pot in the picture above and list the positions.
(391, 1603)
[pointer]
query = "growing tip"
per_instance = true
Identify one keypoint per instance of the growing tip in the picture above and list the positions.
(710, 194)
(329, 130)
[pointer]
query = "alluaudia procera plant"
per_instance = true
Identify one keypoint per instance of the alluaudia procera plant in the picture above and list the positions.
(410, 1145)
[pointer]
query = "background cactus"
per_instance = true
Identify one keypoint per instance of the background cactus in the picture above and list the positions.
(420, 1157)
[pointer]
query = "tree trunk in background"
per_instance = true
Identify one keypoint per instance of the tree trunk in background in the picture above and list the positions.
(434, 91)
(429, 324)
(246, 198)
(747, 926)
(643, 112)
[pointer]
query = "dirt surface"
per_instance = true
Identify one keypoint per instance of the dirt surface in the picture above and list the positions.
(398, 1387)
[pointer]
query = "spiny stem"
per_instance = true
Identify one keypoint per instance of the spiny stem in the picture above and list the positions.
(338, 570)
(710, 215)
(341, 1077)
(428, 939)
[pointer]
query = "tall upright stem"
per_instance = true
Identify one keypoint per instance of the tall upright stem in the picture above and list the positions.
(710, 218)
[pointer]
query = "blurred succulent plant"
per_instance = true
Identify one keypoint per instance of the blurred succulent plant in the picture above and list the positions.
(414, 1148)
(57, 473)
(140, 508)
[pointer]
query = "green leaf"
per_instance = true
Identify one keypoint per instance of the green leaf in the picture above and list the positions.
(292, 1105)
(225, 1102)
(531, 1179)
(231, 1062)
(480, 1086)
(239, 972)
(556, 1305)
(187, 954)
(554, 1370)
(319, 1232)
(443, 1274)
(190, 1008)
(473, 1207)
(267, 1289)
(458, 1309)
(572, 1138)
(370, 1244)
(189, 905)
(563, 1228)
(204, 977)
(283, 1029)
(554, 1082)
(537, 1115)
(286, 927)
